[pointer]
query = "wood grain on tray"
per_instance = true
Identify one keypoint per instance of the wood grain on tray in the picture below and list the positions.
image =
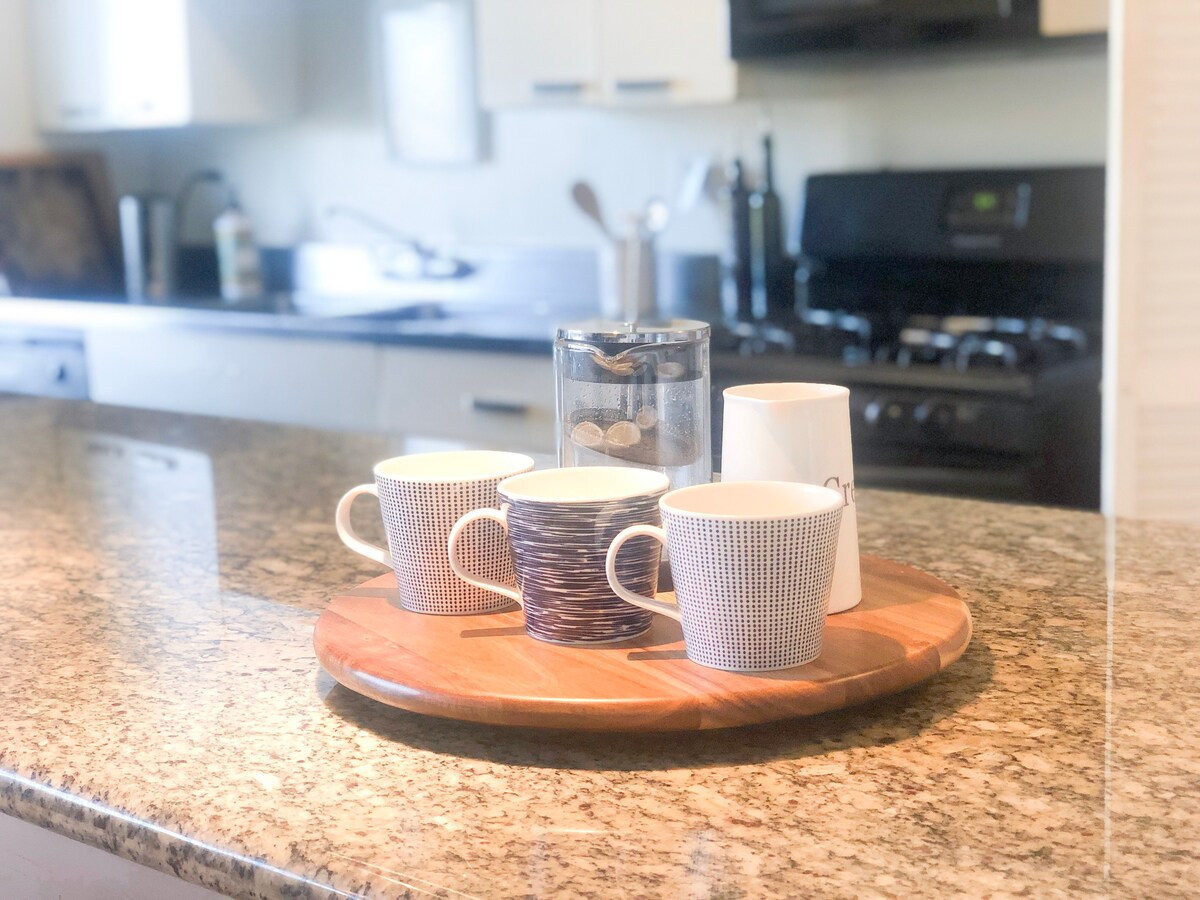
(485, 668)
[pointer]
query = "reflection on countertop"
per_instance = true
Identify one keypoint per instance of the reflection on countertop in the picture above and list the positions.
(160, 576)
(511, 300)
(496, 327)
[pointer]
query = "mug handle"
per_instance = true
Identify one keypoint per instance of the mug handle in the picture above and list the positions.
(496, 515)
(670, 610)
(346, 532)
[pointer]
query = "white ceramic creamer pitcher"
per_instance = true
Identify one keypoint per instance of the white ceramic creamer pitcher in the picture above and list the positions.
(798, 432)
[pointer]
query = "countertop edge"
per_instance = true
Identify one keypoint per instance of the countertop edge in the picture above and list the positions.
(155, 846)
(82, 315)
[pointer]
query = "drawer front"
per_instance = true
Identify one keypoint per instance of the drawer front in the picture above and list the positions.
(499, 400)
(44, 364)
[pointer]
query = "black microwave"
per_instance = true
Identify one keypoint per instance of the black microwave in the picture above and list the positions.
(779, 27)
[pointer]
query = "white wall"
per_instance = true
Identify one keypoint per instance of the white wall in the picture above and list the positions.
(972, 111)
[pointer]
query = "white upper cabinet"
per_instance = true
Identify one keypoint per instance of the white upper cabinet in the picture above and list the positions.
(124, 64)
(608, 52)
(674, 51)
(537, 52)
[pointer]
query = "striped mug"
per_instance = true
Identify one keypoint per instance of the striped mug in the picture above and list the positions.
(560, 523)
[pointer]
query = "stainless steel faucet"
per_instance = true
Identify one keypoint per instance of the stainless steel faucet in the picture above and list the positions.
(405, 257)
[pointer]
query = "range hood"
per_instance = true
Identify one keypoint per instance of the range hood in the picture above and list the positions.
(762, 28)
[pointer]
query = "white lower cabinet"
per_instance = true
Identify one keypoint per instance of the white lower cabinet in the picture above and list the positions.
(36, 864)
(299, 381)
(502, 400)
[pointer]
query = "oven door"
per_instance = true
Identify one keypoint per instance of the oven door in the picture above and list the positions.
(1031, 445)
(777, 27)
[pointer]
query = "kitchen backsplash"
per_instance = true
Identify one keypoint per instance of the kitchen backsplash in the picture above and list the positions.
(956, 111)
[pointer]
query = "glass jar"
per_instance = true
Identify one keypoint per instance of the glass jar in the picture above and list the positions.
(635, 395)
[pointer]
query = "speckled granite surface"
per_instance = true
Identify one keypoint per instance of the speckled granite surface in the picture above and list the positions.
(160, 576)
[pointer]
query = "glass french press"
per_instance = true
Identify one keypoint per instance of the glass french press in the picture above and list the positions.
(635, 395)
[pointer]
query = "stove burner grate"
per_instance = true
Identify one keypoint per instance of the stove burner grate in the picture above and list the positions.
(966, 343)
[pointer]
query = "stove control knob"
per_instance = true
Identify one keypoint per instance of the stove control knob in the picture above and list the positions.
(872, 411)
(935, 415)
(882, 411)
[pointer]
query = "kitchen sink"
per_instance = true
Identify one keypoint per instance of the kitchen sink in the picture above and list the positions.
(416, 312)
(343, 280)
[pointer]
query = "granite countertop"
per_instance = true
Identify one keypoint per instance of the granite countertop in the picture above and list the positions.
(160, 576)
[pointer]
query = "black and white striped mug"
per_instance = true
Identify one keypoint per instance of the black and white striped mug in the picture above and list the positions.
(560, 523)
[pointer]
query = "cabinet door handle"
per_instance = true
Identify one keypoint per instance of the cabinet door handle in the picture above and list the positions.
(558, 88)
(642, 85)
(78, 112)
(504, 407)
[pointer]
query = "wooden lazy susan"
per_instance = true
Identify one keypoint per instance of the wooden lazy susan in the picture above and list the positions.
(484, 668)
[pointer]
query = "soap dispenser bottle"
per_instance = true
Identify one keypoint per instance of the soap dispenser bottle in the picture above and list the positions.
(237, 253)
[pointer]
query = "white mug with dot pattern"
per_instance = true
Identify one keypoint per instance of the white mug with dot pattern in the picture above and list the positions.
(752, 563)
(798, 432)
(421, 496)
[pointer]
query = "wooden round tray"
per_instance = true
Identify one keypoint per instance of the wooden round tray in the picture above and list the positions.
(484, 668)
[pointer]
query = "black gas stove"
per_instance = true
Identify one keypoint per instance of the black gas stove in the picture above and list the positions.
(963, 309)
